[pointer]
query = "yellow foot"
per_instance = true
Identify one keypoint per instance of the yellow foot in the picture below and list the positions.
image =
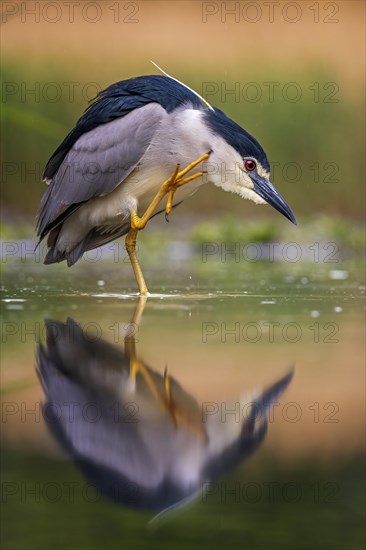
(168, 397)
(169, 188)
(165, 397)
(178, 179)
(181, 414)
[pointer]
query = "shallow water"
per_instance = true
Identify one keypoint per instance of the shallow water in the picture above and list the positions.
(222, 331)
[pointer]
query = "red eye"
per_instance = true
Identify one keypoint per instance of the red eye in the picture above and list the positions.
(250, 165)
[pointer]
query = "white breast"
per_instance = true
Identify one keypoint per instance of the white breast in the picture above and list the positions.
(180, 139)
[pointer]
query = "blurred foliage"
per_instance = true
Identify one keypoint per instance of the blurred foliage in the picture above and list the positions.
(226, 254)
(324, 139)
(347, 234)
(229, 229)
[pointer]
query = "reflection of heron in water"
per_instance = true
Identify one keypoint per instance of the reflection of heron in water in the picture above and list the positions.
(137, 435)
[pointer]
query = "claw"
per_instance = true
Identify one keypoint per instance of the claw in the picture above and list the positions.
(169, 203)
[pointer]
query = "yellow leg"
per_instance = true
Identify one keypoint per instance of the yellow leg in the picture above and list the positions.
(130, 338)
(130, 347)
(169, 187)
(163, 394)
(136, 365)
(130, 243)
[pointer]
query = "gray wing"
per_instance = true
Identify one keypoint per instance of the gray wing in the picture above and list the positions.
(71, 371)
(106, 439)
(97, 163)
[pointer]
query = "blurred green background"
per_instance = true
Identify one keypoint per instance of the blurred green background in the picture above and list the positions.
(292, 76)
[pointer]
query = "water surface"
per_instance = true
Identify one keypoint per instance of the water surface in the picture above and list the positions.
(221, 331)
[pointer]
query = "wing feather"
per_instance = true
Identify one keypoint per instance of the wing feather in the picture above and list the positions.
(97, 163)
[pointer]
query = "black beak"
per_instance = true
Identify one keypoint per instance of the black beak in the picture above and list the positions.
(265, 189)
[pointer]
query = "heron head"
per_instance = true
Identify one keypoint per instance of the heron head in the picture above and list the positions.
(239, 164)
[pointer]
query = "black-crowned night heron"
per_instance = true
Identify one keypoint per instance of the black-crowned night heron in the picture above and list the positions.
(137, 435)
(141, 140)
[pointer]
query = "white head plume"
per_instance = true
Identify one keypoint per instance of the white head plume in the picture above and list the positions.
(185, 85)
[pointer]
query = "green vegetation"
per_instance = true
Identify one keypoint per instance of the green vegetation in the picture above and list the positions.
(315, 144)
(221, 252)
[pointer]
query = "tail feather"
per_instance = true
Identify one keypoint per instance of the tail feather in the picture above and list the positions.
(95, 238)
(54, 256)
